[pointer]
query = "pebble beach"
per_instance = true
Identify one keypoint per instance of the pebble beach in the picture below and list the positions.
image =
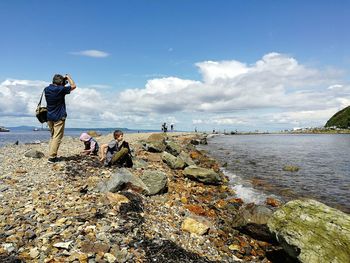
(70, 211)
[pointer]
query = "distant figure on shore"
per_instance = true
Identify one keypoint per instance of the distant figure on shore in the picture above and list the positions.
(91, 145)
(164, 127)
(172, 127)
(56, 111)
(195, 129)
(116, 152)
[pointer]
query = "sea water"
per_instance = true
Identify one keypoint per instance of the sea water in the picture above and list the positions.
(30, 136)
(255, 164)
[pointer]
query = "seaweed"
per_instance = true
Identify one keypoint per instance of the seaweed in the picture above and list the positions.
(158, 250)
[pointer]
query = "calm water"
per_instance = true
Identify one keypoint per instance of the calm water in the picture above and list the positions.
(255, 164)
(29, 136)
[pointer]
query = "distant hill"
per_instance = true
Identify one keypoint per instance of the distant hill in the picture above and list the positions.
(341, 119)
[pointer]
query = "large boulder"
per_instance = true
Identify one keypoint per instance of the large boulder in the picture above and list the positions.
(154, 147)
(312, 232)
(157, 137)
(172, 161)
(251, 219)
(139, 163)
(172, 148)
(123, 179)
(156, 181)
(252, 213)
(207, 176)
(155, 143)
(186, 158)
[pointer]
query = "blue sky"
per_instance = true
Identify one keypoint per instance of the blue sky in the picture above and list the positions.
(140, 63)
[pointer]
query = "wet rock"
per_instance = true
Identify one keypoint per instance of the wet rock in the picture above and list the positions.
(273, 202)
(172, 148)
(194, 226)
(291, 168)
(122, 179)
(207, 176)
(172, 161)
(312, 232)
(156, 181)
(34, 154)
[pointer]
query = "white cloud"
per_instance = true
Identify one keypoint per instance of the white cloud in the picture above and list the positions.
(274, 91)
(91, 53)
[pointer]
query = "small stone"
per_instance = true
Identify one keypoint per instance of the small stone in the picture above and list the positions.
(9, 247)
(193, 226)
(34, 252)
(64, 245)
(184, 200)
(109, 257)
(234, 247)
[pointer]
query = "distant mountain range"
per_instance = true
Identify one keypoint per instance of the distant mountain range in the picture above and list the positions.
(340, 120)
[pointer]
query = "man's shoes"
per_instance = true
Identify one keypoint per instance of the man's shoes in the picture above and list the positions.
(53, 160)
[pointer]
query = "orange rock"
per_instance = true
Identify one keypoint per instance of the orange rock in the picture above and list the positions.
(221, 204)
(198, 210)
(272, 202)
(195, 155)
(211, 213)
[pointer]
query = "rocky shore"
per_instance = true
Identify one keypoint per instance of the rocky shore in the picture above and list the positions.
(174, 205)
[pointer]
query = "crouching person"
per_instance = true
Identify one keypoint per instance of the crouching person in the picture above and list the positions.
(116, 152)
(90, 144)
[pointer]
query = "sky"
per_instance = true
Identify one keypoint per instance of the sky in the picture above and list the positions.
(224, 65)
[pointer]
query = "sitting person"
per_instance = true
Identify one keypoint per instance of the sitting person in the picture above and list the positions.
(91, 145)
(116, 152)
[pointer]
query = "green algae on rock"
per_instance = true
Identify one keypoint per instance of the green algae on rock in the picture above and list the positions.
(312, 232)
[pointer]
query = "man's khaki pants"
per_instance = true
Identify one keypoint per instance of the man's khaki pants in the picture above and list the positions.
(57, 130)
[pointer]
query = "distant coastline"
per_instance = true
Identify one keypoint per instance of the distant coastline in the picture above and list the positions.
(297, 131)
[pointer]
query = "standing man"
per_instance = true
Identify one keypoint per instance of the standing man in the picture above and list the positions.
(56, 111)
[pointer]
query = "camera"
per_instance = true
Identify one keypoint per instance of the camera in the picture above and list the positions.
(65, 81)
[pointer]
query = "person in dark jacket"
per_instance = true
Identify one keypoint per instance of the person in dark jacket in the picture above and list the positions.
(56, 111)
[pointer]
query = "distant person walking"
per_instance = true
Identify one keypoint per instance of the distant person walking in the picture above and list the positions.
(56, 111)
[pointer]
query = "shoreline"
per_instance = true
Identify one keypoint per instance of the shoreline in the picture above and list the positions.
(57, 212)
